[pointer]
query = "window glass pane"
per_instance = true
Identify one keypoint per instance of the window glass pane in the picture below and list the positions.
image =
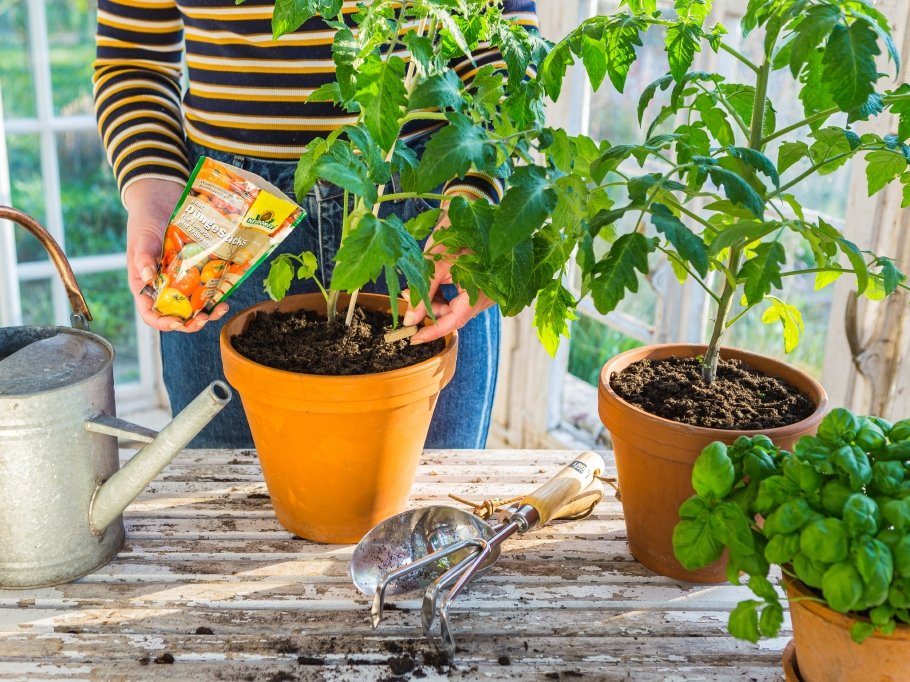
(111, 305)
(93, 217)
(592, 344)
(27, 191)
(71, 36)
(37, 307)
(16, 80)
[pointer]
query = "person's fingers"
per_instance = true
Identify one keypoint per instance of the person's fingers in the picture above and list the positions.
(460, 313)
(414, 314)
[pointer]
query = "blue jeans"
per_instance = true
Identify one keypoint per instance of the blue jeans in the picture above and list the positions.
(192, 361)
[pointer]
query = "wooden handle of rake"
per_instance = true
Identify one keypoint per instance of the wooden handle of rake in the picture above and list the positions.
(553, 497)
(582, 504)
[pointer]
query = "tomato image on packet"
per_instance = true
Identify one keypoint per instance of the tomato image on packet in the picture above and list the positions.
(226, 223)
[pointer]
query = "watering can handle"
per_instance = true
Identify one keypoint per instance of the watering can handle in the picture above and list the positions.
(80, 316)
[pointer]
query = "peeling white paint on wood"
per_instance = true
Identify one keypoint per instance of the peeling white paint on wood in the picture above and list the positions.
(210, 578)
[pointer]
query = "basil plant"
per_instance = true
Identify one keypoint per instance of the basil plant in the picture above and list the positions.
(834, 514)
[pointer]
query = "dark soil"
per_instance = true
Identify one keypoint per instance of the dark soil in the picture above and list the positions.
(740, 398)
(303, 342)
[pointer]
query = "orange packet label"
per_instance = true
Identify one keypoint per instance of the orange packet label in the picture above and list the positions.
(226, 223)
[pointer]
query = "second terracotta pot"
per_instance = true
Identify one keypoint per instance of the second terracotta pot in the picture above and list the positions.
(654, 456)
(825, 652)
(339, 453)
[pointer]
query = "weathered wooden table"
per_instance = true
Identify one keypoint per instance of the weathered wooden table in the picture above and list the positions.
(210, 586)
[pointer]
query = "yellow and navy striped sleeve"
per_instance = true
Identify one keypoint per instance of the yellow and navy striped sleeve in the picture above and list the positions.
(245, 92)
(137, 89)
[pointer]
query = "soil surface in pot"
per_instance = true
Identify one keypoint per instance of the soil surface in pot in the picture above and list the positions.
(741, 398)
(301, 341)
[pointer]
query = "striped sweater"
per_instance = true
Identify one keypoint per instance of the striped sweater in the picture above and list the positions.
(245, 92)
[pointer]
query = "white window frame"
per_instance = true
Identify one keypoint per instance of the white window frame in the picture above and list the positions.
(147, 392)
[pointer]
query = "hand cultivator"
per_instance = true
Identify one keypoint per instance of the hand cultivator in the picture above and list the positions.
(442, 548)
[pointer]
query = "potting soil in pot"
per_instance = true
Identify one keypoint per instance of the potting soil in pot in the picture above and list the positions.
(301, 341)
(739, 398)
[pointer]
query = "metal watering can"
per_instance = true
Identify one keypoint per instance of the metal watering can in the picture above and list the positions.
(61, 493)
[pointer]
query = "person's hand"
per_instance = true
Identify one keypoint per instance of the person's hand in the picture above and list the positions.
(450, 315)
(149, 204)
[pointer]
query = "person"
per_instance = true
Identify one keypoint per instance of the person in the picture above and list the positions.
(245, 105)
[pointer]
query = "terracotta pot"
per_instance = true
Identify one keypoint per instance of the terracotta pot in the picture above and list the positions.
(826, 653)
(654, 456)
(339, 453)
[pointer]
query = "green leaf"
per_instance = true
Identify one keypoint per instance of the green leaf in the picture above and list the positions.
(382, 97)
(305, 175)
(849, 64)
(553, 69)
(842, 587)
(772, 617)
(860, 631)
(452, 151)
(379, 171)
(440, 91)
(713, 474)
(366, 250)
(327, 92)
(824, 540)
(471, 222)
(883, 166)
(855, 256)
(689, 245)
(308, 265)
(762, 272)
(512, 278)
(554, 307)
(815, 26)
(791, 153)
(891, 276)
(693, 543)
(758, 161)
(594, 57)
(791, 321)
(616, 273)
(279, 278)
(730, 525)
(346, 170)
(737, 189)
(742, 98)
(621, 37)
(289, 15)
(525, 206)
(423, 223)
(682, 42)
(742, 233)
(648, 93)
(743, 622)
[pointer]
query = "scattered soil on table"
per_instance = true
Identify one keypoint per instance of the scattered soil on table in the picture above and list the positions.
(310, 660)
(740, 398)
(202, 630)
(165, 658)
(302, 341)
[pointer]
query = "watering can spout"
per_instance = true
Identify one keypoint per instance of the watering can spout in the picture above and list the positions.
(113, 496)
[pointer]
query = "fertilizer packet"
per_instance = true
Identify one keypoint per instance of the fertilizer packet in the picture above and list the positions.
(226, 223)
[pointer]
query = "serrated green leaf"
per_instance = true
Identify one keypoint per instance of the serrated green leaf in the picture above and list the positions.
(762, 272)
(594, 58)
(327, 92)
(370, 246)
(716, 120)
(682, 42)
(826, 277)
(343, 168)
(423, 223)
(289, 15)
(790, 319)
(525, 206)
(742, 98)
(441, 91)
(758, 161)
(554, 308)
(891, 276)
(621, 37)
(471, 222)
(689, 245)
(743, 233)
(815, 93)
(737, 190)
(829, 143)
(849, 64)
(305, 175)
(815, 26)
(382, 97)
(452, 151)
(648, 93)
(616, 273)
(883, 166)
(553, 69)
(511, 275)
(791, 153)
(279, 278)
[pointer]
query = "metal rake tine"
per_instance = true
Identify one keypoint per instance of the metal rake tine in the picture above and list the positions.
(445, 631)
(387, 578)
(428, 609)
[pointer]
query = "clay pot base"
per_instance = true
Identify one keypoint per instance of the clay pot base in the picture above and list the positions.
(791, 669)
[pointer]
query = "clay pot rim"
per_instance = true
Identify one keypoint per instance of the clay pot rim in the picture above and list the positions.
(794, 586)
(689, 350)
(232, 328)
